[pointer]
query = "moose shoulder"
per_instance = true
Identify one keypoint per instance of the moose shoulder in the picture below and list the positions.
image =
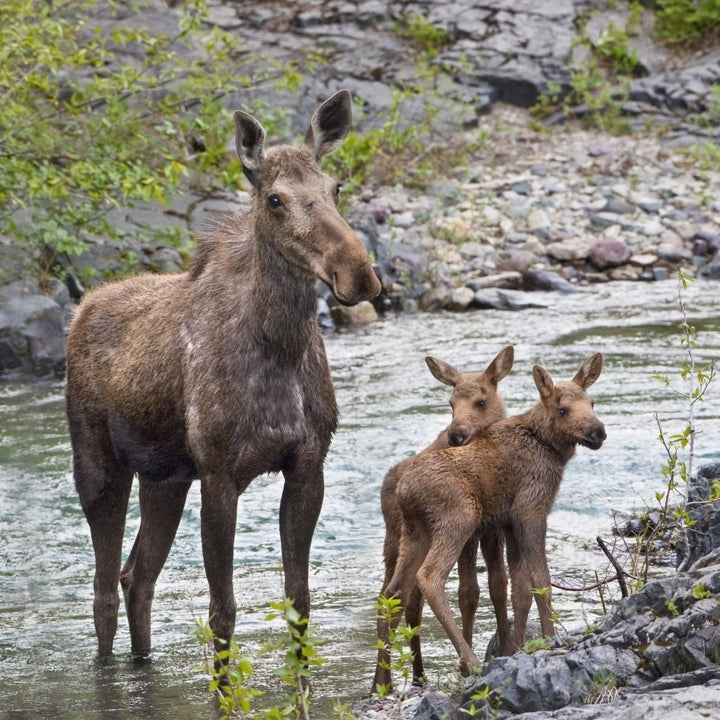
(219, 373)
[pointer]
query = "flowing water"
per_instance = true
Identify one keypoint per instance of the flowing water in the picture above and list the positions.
(390, 406)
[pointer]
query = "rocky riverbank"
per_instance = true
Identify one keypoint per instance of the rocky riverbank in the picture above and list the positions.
(520, 209)
(528, 210)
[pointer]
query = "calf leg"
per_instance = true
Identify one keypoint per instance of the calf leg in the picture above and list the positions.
(529, 576)
(431, 578)
(413, 617)
(468, 588)
(402, 586)
(521, 590)
(493, 545)
(161, 506)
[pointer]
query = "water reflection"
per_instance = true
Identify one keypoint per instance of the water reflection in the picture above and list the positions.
(390, 407)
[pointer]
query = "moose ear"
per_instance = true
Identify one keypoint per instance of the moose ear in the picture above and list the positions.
(329, 125)
(501, 365)
(543, 381)
(590, 371)
(443, 371)
(250, 143)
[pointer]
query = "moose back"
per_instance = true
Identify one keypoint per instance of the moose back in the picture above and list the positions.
(218, 373)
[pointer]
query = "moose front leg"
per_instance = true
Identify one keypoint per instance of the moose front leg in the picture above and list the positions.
(218, 517)
(300, 507)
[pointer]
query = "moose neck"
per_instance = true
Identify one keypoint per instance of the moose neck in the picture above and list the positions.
(285, 302)
(537, 422)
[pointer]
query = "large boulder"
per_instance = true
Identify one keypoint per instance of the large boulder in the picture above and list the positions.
(32, 331)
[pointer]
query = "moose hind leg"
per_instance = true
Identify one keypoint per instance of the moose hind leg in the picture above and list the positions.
(402, 586)
(431, 579)
(161, 506)
(105, 515)
(413, 617)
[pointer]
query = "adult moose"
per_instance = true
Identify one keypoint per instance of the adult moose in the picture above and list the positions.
(476, 404)
(218, 373)
(502, 484)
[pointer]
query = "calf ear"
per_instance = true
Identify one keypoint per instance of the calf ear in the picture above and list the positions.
(543, 381)
(590, 371)
(330, 124)
(443, 371)
(501, 365)
(250, 143)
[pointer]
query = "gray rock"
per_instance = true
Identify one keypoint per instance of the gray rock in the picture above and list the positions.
(619, 206)
(666, 628)
(32, 334)
(546, 280)
(433, 706)
(609, 252)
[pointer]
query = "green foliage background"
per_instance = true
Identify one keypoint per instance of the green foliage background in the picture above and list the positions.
(96, 114)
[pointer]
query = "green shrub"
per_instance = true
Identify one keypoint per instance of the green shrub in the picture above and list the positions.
(683, 21)
(97, 115)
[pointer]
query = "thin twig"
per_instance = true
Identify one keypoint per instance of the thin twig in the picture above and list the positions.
(618, 568)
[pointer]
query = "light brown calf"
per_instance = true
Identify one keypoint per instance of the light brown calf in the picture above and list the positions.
(503, 482)
(475, 404)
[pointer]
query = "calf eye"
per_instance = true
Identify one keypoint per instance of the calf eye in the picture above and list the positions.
(274, 201)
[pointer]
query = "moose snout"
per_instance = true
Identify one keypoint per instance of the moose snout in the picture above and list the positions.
(352, 288)
(595, 436)
(458, 436)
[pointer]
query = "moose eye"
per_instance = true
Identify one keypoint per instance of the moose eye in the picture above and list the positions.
(274, 201)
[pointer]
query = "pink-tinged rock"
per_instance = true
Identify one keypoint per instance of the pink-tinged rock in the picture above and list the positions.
(609, 252)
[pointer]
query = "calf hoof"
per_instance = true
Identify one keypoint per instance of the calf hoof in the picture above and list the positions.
(467, 669)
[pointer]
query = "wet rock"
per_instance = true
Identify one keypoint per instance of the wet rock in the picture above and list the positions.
(618, 206)
(359, 314)
(32, 332)
(435, 299)
(493, 298)
(461, 298)
(570, 249)
(668, 627)
(545, 280)
(703, 534)
(509, 280)
(433, 706)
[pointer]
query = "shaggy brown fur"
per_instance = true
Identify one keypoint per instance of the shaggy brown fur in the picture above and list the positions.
(475, 404)
(219, 373)
(503, 482)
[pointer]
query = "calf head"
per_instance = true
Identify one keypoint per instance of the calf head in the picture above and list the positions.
(475, 401)
(296, 202)
(569, 409)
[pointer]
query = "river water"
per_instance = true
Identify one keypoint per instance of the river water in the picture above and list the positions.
(390, 406)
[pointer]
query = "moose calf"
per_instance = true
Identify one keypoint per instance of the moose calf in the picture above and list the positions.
(502, 483)
(475, 404)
